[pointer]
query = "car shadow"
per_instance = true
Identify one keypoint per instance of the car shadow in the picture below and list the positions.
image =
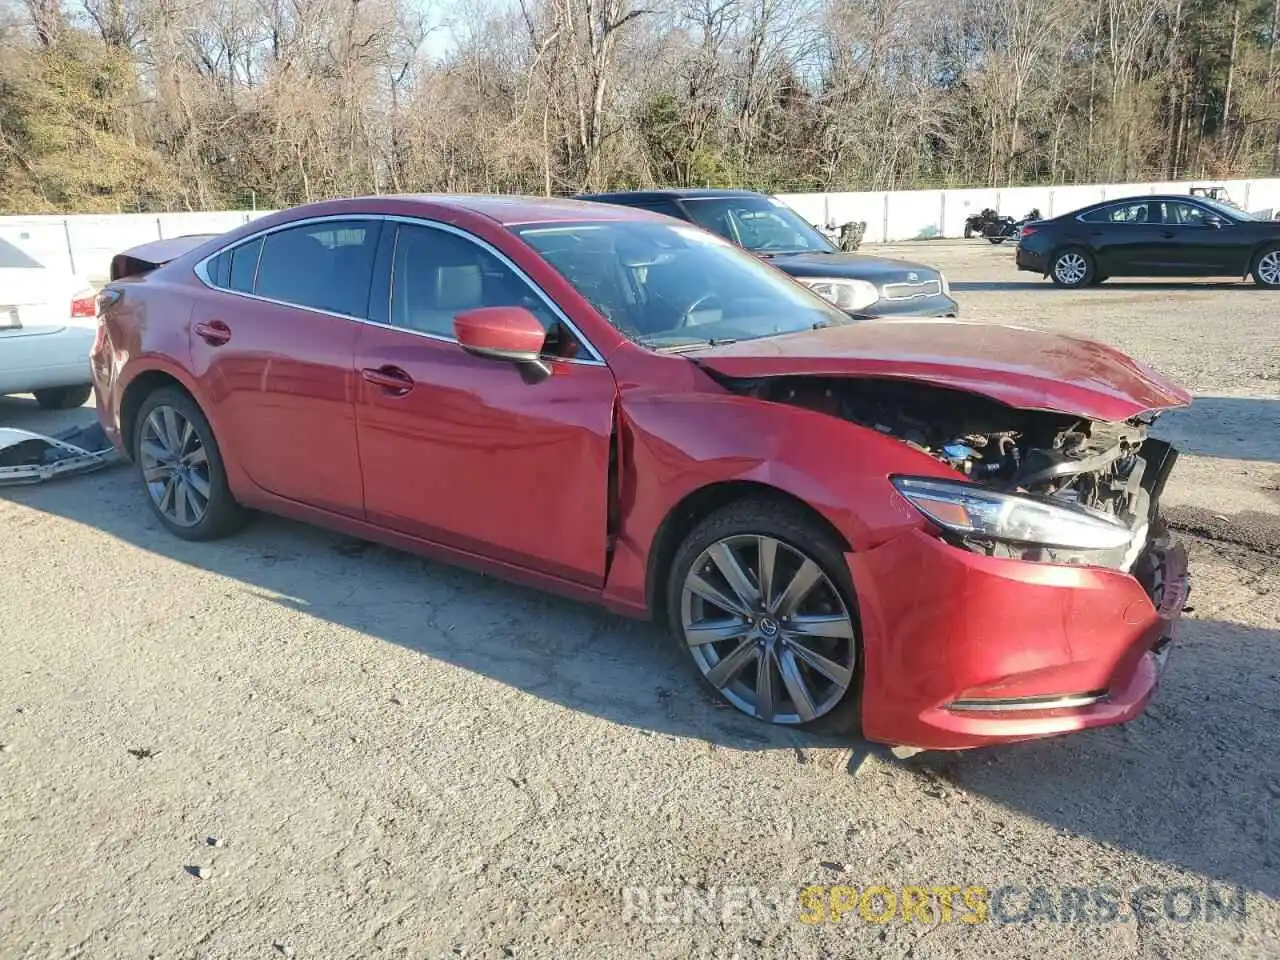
(1004, 286)
(1227, 428)
(1205, 747)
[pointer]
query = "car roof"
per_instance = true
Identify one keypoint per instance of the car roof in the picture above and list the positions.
(673, 193)
(507, 210)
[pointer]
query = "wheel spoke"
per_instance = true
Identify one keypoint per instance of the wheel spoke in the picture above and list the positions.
(764, 685)
(197, 457)
(697, 585)
(767, 549)
(801, 583)
(154, 451)
(181, 498)
(184, 442)
(828, 668)
(172, 432)
(713, 632)
(727, 563)
(729, 667)
(155, 427)
(167, 494)
(835, 626)
(199, 485)
(797, 689)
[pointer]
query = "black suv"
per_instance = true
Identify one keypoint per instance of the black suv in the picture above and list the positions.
(860, 285)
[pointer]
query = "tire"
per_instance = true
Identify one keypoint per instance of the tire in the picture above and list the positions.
(968, 232)
(187, 487)
(1266, 267)
(64, 398)
(997, 239)
(824, 667)
(1072, 267)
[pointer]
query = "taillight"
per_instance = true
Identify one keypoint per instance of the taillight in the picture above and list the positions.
(1026, 232)
(84, 307)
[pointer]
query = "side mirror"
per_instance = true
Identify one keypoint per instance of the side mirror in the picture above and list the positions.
(1215, 222)
(503, 333)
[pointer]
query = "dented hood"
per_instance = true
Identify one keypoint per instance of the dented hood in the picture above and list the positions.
(1027, 369)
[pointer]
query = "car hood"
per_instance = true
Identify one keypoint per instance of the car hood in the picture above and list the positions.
(1023, 368)
(852, 266)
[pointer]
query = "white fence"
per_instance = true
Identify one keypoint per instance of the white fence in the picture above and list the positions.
(84, 244)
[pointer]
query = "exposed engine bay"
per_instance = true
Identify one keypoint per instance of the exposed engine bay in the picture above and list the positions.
(1112, 469)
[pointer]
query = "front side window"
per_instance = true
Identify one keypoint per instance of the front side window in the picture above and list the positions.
(1143, 212)
(324, 266)
(669, 286)
(436, 274)
(760, 224)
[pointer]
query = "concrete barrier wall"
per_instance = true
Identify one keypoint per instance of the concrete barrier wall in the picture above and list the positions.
(84, 244)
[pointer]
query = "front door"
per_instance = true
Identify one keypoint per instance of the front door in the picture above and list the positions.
(466, 451)
(274, 347)
(1196, 248)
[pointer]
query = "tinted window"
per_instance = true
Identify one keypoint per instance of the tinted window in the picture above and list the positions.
(244, 265)
(667, 208)
(326, 266)
(11, 256)
(669, 285)
(435, 275)
(1141, 212)
(761, 224)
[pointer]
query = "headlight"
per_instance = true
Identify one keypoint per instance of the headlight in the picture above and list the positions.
(971, 511)
(845, 294)
(946, 286)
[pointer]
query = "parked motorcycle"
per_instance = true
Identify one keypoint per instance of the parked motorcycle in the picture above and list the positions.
(1007, 228)
(980, 223)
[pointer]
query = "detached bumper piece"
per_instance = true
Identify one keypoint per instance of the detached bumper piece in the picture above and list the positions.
(27, 458)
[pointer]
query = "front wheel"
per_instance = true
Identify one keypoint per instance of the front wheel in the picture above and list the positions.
(1266, 267)
(1072, 267)
(997, 239)
(759, 598)
(968, 232)
(182, 469)
(64, 398)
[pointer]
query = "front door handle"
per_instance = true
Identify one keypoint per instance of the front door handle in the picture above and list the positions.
(391, 379)
(213, 332)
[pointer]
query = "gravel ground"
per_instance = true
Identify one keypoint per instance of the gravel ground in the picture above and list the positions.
(399, 759)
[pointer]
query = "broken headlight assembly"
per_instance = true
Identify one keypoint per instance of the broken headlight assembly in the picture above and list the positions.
(1016, 526)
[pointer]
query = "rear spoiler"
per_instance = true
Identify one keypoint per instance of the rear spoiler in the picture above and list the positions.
(138, 261)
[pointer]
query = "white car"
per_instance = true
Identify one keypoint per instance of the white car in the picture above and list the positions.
(48, 323)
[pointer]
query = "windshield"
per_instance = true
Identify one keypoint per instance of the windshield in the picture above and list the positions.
(762, 225)
(11, 256)
(670, 285)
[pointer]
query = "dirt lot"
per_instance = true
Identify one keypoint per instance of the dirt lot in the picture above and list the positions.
(400, 759)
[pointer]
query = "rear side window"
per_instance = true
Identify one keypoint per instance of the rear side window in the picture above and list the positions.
(244, 266)
(324, 266)
(11, 256)
(1142, 212)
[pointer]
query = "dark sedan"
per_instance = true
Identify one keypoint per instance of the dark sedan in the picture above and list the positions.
(860, 285)
(1157, 236)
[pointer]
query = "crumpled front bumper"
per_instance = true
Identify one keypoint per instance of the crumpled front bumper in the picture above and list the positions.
(27, 457)
(962, 650)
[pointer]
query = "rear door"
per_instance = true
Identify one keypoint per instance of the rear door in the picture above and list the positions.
(1125, 237)
(274, 348)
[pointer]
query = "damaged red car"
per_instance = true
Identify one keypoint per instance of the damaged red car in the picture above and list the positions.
(940, 533)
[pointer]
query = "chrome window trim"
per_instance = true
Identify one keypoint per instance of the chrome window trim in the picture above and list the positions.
(202, 273)
(1191, 202)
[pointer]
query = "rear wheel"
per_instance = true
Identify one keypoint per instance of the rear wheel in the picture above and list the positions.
(64, 398)
(182, 470)
(1072, 267)
(997, 239)
(1266, 267)
(759, 598)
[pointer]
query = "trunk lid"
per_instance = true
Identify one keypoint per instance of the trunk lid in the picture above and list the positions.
(1022, 368)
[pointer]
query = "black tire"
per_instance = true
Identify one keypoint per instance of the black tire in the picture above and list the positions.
(1265, 268)
(793, 528)
(64, 398)
(968, 232)
(997, 239)
(1072, 279)
(222, 515)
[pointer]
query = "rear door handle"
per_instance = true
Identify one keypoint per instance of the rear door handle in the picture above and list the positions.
(213, 332)
(391, 379)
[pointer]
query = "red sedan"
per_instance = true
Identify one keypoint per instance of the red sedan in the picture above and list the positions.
(943, 533)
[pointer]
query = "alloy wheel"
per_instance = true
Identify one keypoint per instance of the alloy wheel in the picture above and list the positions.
(1070, 268)
(768, 629)
(175, 466)
(1269, 268)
